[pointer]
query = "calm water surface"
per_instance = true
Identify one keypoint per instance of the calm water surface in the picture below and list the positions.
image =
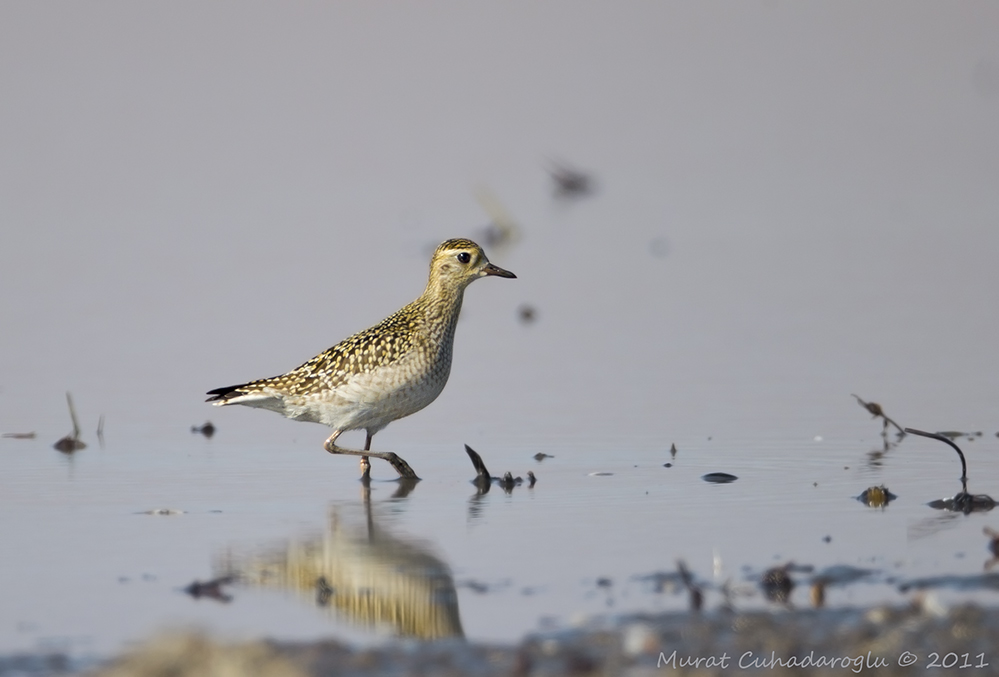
(94, 571)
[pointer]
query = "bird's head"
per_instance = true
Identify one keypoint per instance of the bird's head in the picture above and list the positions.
(457, 262)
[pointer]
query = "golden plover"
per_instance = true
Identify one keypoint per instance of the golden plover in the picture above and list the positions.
(389, 371)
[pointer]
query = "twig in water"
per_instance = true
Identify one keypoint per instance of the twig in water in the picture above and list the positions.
(964, 501)
(71, 442)
(483, 480)
(877, 412)
(941, 438)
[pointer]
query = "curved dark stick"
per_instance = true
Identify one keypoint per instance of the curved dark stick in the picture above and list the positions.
(945, 440)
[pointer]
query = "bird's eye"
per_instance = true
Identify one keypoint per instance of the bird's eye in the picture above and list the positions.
(464, 257)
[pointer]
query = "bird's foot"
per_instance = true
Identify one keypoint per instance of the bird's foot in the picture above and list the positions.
(401, 467)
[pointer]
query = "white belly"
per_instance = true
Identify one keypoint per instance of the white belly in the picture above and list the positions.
(370, 401)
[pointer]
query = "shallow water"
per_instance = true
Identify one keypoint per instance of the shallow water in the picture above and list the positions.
(734, 277)
(98, 571)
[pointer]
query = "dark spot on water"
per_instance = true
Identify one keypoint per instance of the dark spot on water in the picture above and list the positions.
(324, 591)
(570, 182)
(210, 589)
(777, 584)
(719, 478)
(69, 444)
(207, 429)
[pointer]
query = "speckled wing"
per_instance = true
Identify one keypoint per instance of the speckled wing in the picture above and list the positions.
(386, 343)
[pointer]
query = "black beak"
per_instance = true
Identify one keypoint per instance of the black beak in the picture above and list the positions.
(492, 269)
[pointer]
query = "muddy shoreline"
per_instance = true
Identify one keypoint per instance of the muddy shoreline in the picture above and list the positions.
(885, 640)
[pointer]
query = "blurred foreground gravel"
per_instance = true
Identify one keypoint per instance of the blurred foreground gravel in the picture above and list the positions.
(883, 641)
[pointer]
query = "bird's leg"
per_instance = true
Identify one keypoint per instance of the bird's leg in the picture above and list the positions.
(365, 463)
(397, 462)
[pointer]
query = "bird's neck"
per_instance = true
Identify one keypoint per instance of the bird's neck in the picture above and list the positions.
(441, 305)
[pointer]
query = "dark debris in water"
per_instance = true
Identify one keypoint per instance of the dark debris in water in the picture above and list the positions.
(211, 589)
(876, 497)
(19, 436)
(207, 429)
(719, 478)
(696, 594)
(777, 584)
(570, 182)
(71, 442)
(324, 591)
(877, 411)
(484, 481)
(965, 503)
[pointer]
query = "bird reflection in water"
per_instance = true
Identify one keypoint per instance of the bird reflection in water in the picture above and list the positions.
(363, 574)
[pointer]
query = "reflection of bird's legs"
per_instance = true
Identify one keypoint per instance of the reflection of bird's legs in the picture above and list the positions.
(397, 462)
(368, 518)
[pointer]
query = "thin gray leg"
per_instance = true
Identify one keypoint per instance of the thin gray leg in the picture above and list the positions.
(394, 459)
(365, 463)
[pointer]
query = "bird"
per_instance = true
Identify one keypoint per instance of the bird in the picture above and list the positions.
(386, 372)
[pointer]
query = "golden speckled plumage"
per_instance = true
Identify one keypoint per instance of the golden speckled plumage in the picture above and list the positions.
(383, 373)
